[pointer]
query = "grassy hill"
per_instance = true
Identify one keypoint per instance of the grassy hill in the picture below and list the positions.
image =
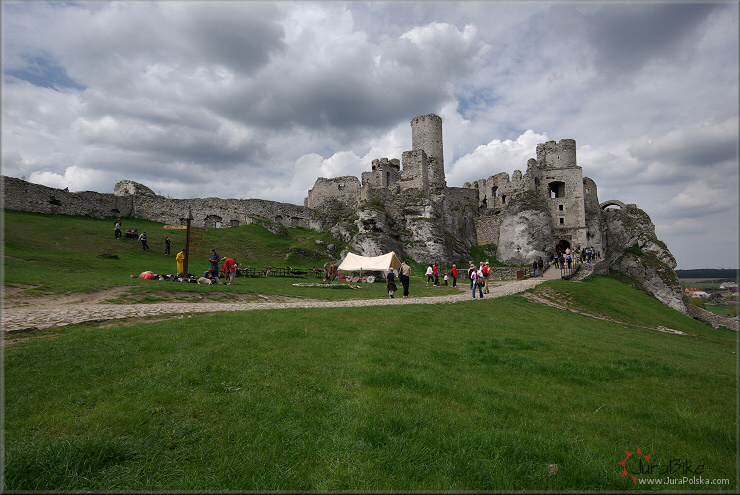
(488, 395)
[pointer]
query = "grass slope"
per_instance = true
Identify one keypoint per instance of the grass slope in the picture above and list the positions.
(495, 394)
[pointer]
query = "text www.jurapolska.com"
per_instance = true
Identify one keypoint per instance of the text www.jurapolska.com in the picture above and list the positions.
(694, 480)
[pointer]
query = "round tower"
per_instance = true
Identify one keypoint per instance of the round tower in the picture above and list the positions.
(426, 134)
(557, 155)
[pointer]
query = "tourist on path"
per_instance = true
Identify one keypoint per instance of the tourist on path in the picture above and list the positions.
(454, 275)
(430, 275)
(471, 271)
(405, 276)
(436, 275)
(391, 282)
(477, 280)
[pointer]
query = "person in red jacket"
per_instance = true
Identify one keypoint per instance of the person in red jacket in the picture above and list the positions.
(229, 269)
(454, 275)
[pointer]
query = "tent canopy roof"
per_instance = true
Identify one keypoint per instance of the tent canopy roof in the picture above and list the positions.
(355, 262)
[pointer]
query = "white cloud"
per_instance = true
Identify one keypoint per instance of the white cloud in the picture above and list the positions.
(177, 95)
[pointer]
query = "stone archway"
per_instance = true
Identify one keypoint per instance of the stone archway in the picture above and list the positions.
(612, 202)
(561, 246)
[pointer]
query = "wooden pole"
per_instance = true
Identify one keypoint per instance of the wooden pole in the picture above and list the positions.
(188, 218)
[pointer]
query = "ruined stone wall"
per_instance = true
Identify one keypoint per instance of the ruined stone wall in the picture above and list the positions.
(207, 212)
(414, 173)
(215, 212)
(462, 196)
(385, 173)
(488, 226)
(26, 196)
(594, 217)
(344, 189)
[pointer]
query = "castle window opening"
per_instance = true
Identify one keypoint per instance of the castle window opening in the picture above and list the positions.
(494, 191)
(503, 198)
(562, 221)
(556, 189)
(560, 208)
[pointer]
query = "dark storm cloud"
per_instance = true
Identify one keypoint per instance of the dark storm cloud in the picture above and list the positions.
(703, 145)
(628, 36)
(241, 35)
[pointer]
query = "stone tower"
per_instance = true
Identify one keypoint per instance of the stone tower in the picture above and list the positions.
(426, 134)
(561, 182)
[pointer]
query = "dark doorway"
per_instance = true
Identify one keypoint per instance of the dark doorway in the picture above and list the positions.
(561, 246)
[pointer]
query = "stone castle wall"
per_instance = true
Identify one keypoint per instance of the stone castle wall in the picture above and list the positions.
(345, 190)
(25, 196)
(207, 212)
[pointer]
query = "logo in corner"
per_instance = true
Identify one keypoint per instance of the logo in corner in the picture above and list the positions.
(624, 463)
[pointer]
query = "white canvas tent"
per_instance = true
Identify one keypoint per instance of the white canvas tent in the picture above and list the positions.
(356, 263)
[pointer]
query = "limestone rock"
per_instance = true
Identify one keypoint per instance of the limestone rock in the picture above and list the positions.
(129, 187)
(526, 230)
(632, 248)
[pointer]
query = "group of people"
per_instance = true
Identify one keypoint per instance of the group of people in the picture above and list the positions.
(330, 272)
(134, 234)
(538, 268)
(404, 275)
(566, 259)
(227, 272)
(479, 277)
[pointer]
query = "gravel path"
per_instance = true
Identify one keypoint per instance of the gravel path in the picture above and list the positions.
(39, 317)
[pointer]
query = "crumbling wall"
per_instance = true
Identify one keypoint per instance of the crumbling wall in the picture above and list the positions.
(21, 195)
(344, 189)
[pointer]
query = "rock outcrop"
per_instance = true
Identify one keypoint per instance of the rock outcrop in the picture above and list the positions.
(526, 230)
(633, 249)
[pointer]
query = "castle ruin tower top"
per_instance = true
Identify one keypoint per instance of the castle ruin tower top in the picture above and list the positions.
(557, 155)
(426, 134)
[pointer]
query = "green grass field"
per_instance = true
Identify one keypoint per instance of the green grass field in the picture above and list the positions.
(490, 395)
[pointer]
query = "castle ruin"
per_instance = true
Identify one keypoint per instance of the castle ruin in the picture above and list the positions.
(554, 175)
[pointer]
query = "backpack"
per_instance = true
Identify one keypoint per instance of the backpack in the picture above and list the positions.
(479, 280)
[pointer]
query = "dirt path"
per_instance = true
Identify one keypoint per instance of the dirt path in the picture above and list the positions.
(24, 314)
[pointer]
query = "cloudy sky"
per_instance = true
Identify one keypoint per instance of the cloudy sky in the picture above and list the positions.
(258, 99)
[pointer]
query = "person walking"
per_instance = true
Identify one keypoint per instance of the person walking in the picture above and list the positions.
(436, 275)
(477, 282)
(430, 275)
(143, 238)
(117, 228)
(486, 276)
(471, 271)
(453, 272)
(391, 282)
(540, 266)
(534, 268)
(405, 276)
(167, 243)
